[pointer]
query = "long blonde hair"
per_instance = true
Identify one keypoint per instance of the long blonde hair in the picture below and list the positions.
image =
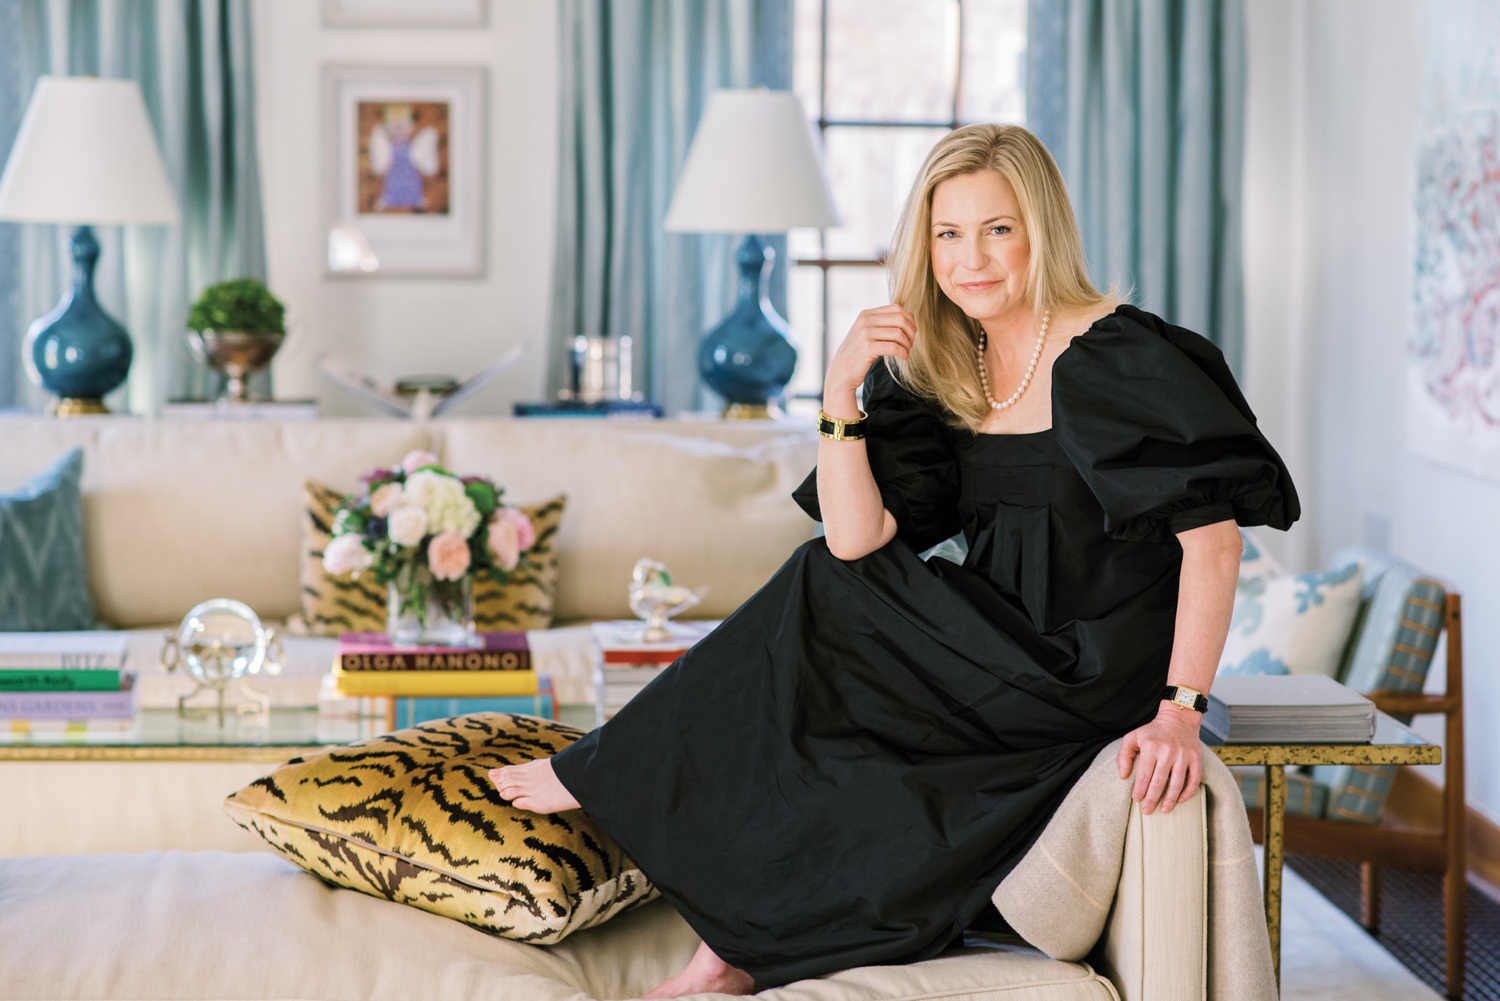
(941, 364)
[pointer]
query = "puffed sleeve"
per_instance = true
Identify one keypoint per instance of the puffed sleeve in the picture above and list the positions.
(1155, 424)
(911, 454)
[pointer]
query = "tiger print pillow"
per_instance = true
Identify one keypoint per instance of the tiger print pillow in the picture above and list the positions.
(413, 817)
(342, 603)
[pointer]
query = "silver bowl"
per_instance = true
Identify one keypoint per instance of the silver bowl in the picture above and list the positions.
(239, 354)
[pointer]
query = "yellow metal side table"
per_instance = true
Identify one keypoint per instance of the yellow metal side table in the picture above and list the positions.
(1393, 744)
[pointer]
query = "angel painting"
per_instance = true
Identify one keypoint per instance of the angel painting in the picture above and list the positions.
(403, 157)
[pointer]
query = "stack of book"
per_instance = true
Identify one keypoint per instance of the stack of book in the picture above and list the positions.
(1287, 709)
(71, 685)
(626, 663)
(426, 683)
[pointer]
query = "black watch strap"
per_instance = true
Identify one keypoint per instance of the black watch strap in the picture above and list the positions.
(1180, 696)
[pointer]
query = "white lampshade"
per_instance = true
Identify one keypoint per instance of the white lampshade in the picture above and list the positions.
(754, 167)
(86, 154)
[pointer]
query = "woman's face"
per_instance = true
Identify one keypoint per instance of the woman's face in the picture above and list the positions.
(980, 252)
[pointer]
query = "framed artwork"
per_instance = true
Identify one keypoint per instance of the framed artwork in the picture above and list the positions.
(404, 13)
(1453, 354)
(404, 164)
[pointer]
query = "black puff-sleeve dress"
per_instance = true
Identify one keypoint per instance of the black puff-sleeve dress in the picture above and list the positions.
(842, 773)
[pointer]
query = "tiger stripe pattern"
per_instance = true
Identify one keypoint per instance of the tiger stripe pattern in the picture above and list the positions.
(413, 817)
(343, 603)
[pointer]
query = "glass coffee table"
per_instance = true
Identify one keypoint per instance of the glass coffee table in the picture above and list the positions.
(163, 735)
(1393, 744)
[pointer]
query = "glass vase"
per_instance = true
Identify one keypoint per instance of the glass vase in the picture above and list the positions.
(424, 611)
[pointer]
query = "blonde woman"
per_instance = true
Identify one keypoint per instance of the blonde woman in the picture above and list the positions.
(843, 772)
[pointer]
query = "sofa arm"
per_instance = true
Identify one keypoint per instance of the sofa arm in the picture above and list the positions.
(1155, 943)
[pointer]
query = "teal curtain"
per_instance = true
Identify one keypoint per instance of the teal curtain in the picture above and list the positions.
(12, 101)
(192, 60)
(1142, 103)
(634, 78)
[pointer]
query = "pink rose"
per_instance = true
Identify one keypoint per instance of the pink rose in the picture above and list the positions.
(525, 531)
(504, 542)
(448, 556)
(416, 459)
(386, 499)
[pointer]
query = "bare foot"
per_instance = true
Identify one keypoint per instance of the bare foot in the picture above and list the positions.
(706, 973)
(533, 787)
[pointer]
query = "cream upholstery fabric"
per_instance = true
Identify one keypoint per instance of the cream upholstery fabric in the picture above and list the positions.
(1056, 895)
(176, 512)
(713, 513)
(122, 806)
(208, 926)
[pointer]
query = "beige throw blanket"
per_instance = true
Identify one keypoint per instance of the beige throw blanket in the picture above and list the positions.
(1058, 896)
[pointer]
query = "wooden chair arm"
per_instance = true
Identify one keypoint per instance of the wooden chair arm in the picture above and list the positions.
(1414, 703)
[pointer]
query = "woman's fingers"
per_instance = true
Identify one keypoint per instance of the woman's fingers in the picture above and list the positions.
(1174, 786)
(1125, 758)
(1161, 773)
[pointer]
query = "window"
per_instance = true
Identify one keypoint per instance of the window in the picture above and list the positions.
(884, 80)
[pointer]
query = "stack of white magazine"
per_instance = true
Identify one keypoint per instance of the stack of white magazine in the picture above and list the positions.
(1287, 709)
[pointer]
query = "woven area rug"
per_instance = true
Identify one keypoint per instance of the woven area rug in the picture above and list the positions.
(1411, 923)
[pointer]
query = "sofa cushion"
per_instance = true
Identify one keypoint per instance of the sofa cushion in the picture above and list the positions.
(715, 514)
(346, 603)
(176, 512)
(413, 817)
(213, 925)
(43, 577)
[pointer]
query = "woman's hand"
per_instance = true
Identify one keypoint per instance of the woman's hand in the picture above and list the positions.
(1170, 758)
(884, 330)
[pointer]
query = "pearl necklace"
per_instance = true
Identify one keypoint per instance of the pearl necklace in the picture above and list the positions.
(984, 376)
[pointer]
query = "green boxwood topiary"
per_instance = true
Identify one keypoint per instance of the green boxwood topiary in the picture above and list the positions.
(241, 304)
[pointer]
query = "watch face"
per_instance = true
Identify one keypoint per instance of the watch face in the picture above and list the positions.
(1185, 698)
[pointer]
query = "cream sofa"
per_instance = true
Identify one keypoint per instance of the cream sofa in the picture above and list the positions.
(179, 512)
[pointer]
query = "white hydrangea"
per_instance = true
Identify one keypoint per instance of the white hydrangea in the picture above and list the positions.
(448, 508)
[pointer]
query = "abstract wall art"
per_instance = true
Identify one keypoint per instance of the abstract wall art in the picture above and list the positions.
(1453, 354)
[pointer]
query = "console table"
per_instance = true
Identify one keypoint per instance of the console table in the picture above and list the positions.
(1394, 744)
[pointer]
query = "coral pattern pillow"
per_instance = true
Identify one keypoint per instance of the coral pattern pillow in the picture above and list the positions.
(413, 817)
(342, 603)
(1292, 624)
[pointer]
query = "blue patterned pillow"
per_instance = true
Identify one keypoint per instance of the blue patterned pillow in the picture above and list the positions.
(43, 580)
(1292, 624)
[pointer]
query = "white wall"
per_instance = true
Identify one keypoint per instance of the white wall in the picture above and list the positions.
(1333, 120)
(392, 327)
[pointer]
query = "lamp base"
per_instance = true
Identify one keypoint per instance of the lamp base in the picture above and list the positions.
(72, 406)
(753, 412)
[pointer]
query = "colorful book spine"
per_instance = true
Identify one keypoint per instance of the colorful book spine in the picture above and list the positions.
(23, 728)
(119, 704)
(410, 712)
(62, 661)
(502, 651)
(42, 680)
(435, 684)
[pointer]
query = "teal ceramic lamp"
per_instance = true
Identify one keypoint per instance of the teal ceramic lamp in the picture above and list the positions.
(85, 154)
(754, 167)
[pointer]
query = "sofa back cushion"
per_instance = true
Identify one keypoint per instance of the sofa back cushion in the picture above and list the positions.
(176, 512)
(714, 513)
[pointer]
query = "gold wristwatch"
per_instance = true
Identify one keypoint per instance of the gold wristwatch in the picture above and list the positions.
(839, 429)
(1185, 698)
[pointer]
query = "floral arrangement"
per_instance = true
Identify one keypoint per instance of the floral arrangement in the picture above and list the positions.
(421, 529)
